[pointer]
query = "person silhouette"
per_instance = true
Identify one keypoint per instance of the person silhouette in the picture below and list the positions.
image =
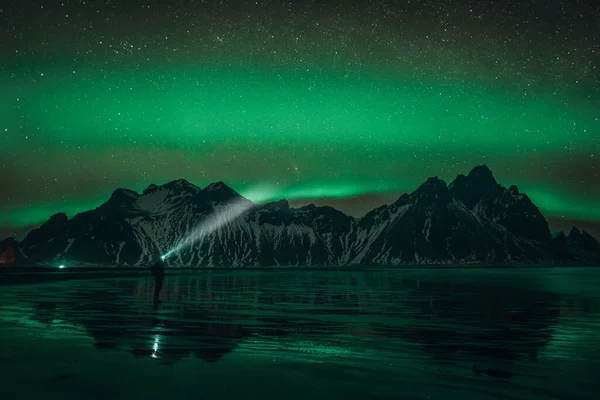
(158, 272)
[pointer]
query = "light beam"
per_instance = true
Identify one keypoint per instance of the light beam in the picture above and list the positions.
(222, 215)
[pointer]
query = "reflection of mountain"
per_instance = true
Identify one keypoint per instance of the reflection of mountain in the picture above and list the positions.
(477, 320)
(118, 319)
(471, 220)
(203, 317)
(209, 316)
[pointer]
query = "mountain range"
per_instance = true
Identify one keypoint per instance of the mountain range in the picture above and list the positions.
(472, 220)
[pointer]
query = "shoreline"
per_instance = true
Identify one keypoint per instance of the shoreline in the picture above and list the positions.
(41, 274)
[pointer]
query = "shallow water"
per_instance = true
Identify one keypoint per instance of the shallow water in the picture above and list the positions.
(409, 334)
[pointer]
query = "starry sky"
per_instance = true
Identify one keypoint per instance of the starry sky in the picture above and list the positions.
(346, 103)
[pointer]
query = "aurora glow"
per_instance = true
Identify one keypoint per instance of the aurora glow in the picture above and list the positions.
(356, 107)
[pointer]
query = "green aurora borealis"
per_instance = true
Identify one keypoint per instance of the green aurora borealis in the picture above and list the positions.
(351, 134)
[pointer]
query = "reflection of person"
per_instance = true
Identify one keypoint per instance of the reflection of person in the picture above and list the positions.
(158, 272)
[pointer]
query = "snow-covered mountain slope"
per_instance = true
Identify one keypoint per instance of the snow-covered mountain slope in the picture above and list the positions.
(472, 220)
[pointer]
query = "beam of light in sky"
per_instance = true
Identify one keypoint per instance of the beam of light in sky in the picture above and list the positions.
(220, 216)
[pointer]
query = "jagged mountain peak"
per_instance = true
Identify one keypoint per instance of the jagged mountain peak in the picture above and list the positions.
(376, 213)
(482, 174)
(57, 219)
(120, 199)
(403, 199)
(165, 197)
(150, 189)
(219, 192)
(481, 169)
(478, 184)
(589, 241)
(479, 178)
(123, 194)
(56, 224)
(575, 233)
(308, 207)
(181, 184)
(176, 185)
(215, 186)
(434, 181)
(282, 204)
(458, 181)
(323, 210)
(583, 242)
(434, 189)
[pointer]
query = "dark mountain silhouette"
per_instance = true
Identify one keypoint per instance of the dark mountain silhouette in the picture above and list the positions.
(582, 245)
(471, 220)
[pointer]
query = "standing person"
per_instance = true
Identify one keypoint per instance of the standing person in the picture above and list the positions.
(158, 272)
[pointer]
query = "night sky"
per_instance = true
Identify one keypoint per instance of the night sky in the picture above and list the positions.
(346, 103)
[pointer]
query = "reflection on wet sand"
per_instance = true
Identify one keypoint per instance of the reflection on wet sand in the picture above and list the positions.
(481, 333)
(208, 316)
